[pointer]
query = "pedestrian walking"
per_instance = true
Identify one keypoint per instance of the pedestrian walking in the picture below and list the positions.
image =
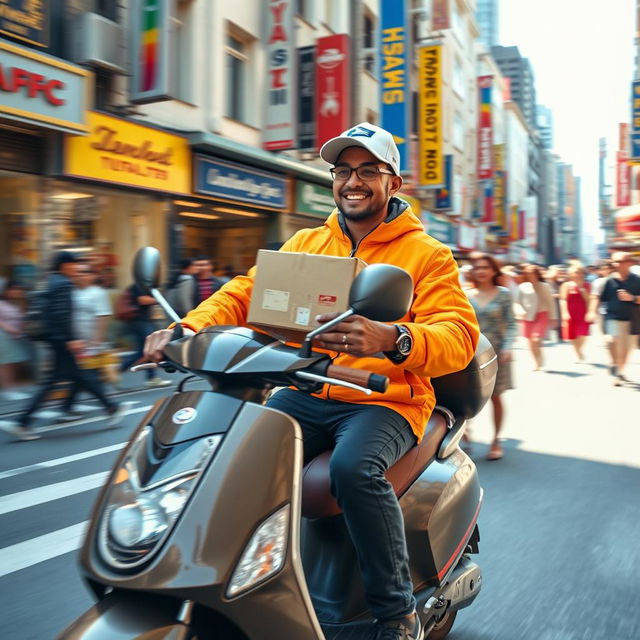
(555, 276)
(91, 312)
(536, 307)
(493, 305)
(620, 293)
(13, 344)
(181, 290)
(207, 283)
(138, 327)
(65, 346)
(574, 305)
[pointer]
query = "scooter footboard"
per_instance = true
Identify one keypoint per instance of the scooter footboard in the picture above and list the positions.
(129, 617)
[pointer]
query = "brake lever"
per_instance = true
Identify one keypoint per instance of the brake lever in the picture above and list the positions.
(341, 383)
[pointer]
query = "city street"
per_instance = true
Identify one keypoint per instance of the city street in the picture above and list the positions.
(559, 527)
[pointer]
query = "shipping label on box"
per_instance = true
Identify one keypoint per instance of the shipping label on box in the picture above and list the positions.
(291, 289)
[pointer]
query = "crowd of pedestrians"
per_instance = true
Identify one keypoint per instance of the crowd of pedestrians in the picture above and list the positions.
(565, 300)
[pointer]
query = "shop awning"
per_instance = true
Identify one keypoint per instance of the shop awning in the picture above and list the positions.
(224, 148)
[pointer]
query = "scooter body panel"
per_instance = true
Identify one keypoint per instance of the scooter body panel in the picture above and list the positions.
(440, 511)
(255, 470)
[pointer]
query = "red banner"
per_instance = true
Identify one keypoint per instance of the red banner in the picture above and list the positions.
(485, 132)
(332, 87)
(623, 180)
(522, 224)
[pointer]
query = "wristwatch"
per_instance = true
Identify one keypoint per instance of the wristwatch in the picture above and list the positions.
(404, 344)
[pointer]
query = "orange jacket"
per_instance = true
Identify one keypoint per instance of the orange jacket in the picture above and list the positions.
(441, 320)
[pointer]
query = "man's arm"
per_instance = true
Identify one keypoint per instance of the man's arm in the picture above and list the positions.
(444, 325)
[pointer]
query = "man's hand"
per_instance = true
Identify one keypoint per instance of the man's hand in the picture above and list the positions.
(75, 346)
(625, 296)
(357, 336)
(154, 345)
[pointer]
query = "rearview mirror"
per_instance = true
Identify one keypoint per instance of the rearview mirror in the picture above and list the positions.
(381, 292)
(146, 274)
(146, 268)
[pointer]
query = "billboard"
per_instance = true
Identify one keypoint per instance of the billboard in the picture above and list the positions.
(635, 120)
(429, 125)
(26, 21)
(279, 131)
(394, 75)
(333, 89)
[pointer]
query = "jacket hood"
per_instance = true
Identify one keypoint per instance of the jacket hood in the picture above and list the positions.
(400, 220)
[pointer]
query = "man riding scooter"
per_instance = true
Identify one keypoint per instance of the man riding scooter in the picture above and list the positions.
(367, 437)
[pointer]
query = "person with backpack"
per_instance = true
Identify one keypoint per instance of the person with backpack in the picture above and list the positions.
(138, 326)
(66, 348)
(181, 290)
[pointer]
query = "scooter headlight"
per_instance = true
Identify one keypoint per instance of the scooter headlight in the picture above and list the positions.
(265, 554)
(149, 492)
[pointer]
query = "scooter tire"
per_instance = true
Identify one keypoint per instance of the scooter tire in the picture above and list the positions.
(442, 626)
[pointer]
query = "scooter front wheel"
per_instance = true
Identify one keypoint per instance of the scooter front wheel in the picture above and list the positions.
(442, 627)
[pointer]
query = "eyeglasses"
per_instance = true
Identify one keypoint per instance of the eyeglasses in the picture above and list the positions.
(366, 173)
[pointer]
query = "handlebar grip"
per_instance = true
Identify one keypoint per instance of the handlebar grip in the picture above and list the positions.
(366, 379)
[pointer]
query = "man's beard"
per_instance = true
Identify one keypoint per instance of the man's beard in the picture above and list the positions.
(360, 215)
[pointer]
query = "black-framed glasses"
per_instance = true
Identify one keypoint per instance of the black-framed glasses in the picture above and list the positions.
(366, 173)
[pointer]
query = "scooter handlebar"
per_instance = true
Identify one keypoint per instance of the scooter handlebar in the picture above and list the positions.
(366, 379)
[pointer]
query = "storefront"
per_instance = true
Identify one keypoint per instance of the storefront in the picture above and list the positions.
(39, 96)
(235, 210)
(117, 190)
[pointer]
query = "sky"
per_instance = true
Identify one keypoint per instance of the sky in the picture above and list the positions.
(582, 55)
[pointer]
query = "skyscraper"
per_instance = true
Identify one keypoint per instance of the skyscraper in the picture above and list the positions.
(487, 19)
(544, 121)
(518, 69)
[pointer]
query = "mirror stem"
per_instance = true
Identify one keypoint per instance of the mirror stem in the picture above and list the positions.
(305, 349)
(165, 305)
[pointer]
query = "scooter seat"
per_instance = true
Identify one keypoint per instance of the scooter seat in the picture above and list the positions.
(317, 501)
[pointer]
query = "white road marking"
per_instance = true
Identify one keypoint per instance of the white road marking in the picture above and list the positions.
(50, 545)
(47, 464)
(47, 493)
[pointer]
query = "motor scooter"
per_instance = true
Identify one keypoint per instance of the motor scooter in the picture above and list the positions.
(209, 527)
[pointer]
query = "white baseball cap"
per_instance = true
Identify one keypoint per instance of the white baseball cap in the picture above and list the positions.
(372, 138)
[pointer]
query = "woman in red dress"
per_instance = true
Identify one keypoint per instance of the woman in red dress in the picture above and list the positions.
(574, 303)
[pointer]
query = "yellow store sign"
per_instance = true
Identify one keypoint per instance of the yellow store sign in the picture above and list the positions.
(122, 152)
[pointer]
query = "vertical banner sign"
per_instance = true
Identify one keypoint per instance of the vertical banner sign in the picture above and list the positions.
(487, 201)
(522, 224)
(514, 229)
(307, 98)
(485, 133)
(635, 121)
(394, 76)
(429, 125)
(623, 169)
(623, 180)
(279, 130)
(499, 197)
(440, 18)
(443, 200)
(151, 51)
(333, 87)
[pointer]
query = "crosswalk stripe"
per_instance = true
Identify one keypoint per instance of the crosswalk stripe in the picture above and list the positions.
(47, 464)
(35, 550)
(47, 493)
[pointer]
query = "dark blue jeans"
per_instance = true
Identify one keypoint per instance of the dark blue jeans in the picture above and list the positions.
(368, 439)
(138, 330)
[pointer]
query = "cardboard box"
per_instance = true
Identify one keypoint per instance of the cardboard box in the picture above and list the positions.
(291, 289)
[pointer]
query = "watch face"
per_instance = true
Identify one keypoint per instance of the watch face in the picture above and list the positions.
(404, 345)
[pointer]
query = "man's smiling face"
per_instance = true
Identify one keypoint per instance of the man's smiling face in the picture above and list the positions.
(360, 200)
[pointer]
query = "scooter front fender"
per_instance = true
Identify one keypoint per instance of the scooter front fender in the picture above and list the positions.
(118, 618)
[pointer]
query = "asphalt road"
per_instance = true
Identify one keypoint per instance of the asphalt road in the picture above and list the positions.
(560, 526)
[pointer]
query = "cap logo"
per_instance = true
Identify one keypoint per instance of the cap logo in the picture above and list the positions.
(360, 131)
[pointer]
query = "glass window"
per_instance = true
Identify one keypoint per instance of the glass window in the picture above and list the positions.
(458, 131)
(236, 63)
(369, 43)
(182, 60)
(458, 84)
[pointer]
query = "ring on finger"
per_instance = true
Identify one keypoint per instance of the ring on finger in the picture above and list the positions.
(344, 338)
